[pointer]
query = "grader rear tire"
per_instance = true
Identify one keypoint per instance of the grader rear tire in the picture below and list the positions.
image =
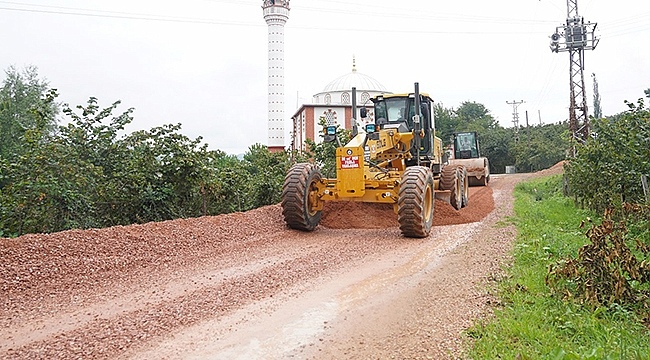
(451, 180)
(297, 197)
(416, 202)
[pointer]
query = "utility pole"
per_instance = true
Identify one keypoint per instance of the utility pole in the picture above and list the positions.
(515, 116)
(575, 37)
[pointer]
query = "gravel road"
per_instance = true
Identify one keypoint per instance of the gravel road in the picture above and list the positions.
(243, 286)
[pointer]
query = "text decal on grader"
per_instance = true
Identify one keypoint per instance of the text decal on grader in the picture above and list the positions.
(349, 162)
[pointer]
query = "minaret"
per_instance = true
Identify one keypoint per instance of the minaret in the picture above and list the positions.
(276, 14)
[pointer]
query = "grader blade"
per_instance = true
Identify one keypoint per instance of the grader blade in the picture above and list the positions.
(444, 195)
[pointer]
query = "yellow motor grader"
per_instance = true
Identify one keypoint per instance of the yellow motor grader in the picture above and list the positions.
(398, 160)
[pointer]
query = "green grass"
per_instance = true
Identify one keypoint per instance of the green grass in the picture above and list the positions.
(532, 323)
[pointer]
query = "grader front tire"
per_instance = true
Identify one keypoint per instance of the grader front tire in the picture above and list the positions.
(416, 202)
(298, 197)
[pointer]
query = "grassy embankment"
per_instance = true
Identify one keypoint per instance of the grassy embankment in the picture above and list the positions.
(530, 322)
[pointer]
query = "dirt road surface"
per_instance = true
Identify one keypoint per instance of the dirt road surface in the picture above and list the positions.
(243, 286)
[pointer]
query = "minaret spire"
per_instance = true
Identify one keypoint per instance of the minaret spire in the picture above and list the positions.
(276, 14)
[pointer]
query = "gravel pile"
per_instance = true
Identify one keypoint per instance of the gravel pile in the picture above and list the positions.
(358, 215)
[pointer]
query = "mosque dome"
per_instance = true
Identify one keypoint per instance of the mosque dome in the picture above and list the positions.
(338, 90)
(354, 79)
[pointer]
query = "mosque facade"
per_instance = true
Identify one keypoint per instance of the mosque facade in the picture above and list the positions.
(333, 105)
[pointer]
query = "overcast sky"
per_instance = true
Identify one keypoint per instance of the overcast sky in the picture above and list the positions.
(203, 63)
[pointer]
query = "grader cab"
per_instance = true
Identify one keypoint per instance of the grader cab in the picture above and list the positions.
(397, 159)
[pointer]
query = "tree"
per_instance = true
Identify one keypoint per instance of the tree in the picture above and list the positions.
(85, 174)
(267, 171)
(163, 174)
(496, 144)
(598, 111)
(542, 147)
(324, 153)
(47, 186)
(607, 169)
(446, 123)
(232, 185)
(25, 103)
(475, 116)
(92, 136)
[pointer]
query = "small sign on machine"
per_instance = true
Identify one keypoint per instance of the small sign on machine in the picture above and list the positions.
(349, 162)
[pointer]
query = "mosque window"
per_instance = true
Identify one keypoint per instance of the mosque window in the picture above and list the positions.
(328, 99)
(330, 117)
(345, 98)
(365, 97)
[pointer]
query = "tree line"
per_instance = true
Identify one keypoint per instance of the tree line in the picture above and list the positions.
(82, 173)
(528, 149)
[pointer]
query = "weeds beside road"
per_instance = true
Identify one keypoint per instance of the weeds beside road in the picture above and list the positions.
(531, 322)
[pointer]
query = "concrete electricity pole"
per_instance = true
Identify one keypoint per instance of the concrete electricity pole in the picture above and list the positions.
(575, 37)
(515, 116)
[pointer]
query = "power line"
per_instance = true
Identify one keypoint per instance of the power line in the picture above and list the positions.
(150, 17)
(59, 10)
(128, 16)
(418, 14)
(545, 89)
(617, 30)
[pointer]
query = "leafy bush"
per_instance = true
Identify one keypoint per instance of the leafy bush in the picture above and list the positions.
(608, 168)
(324, 153)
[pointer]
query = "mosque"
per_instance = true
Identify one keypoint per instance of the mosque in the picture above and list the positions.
(333, 104)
